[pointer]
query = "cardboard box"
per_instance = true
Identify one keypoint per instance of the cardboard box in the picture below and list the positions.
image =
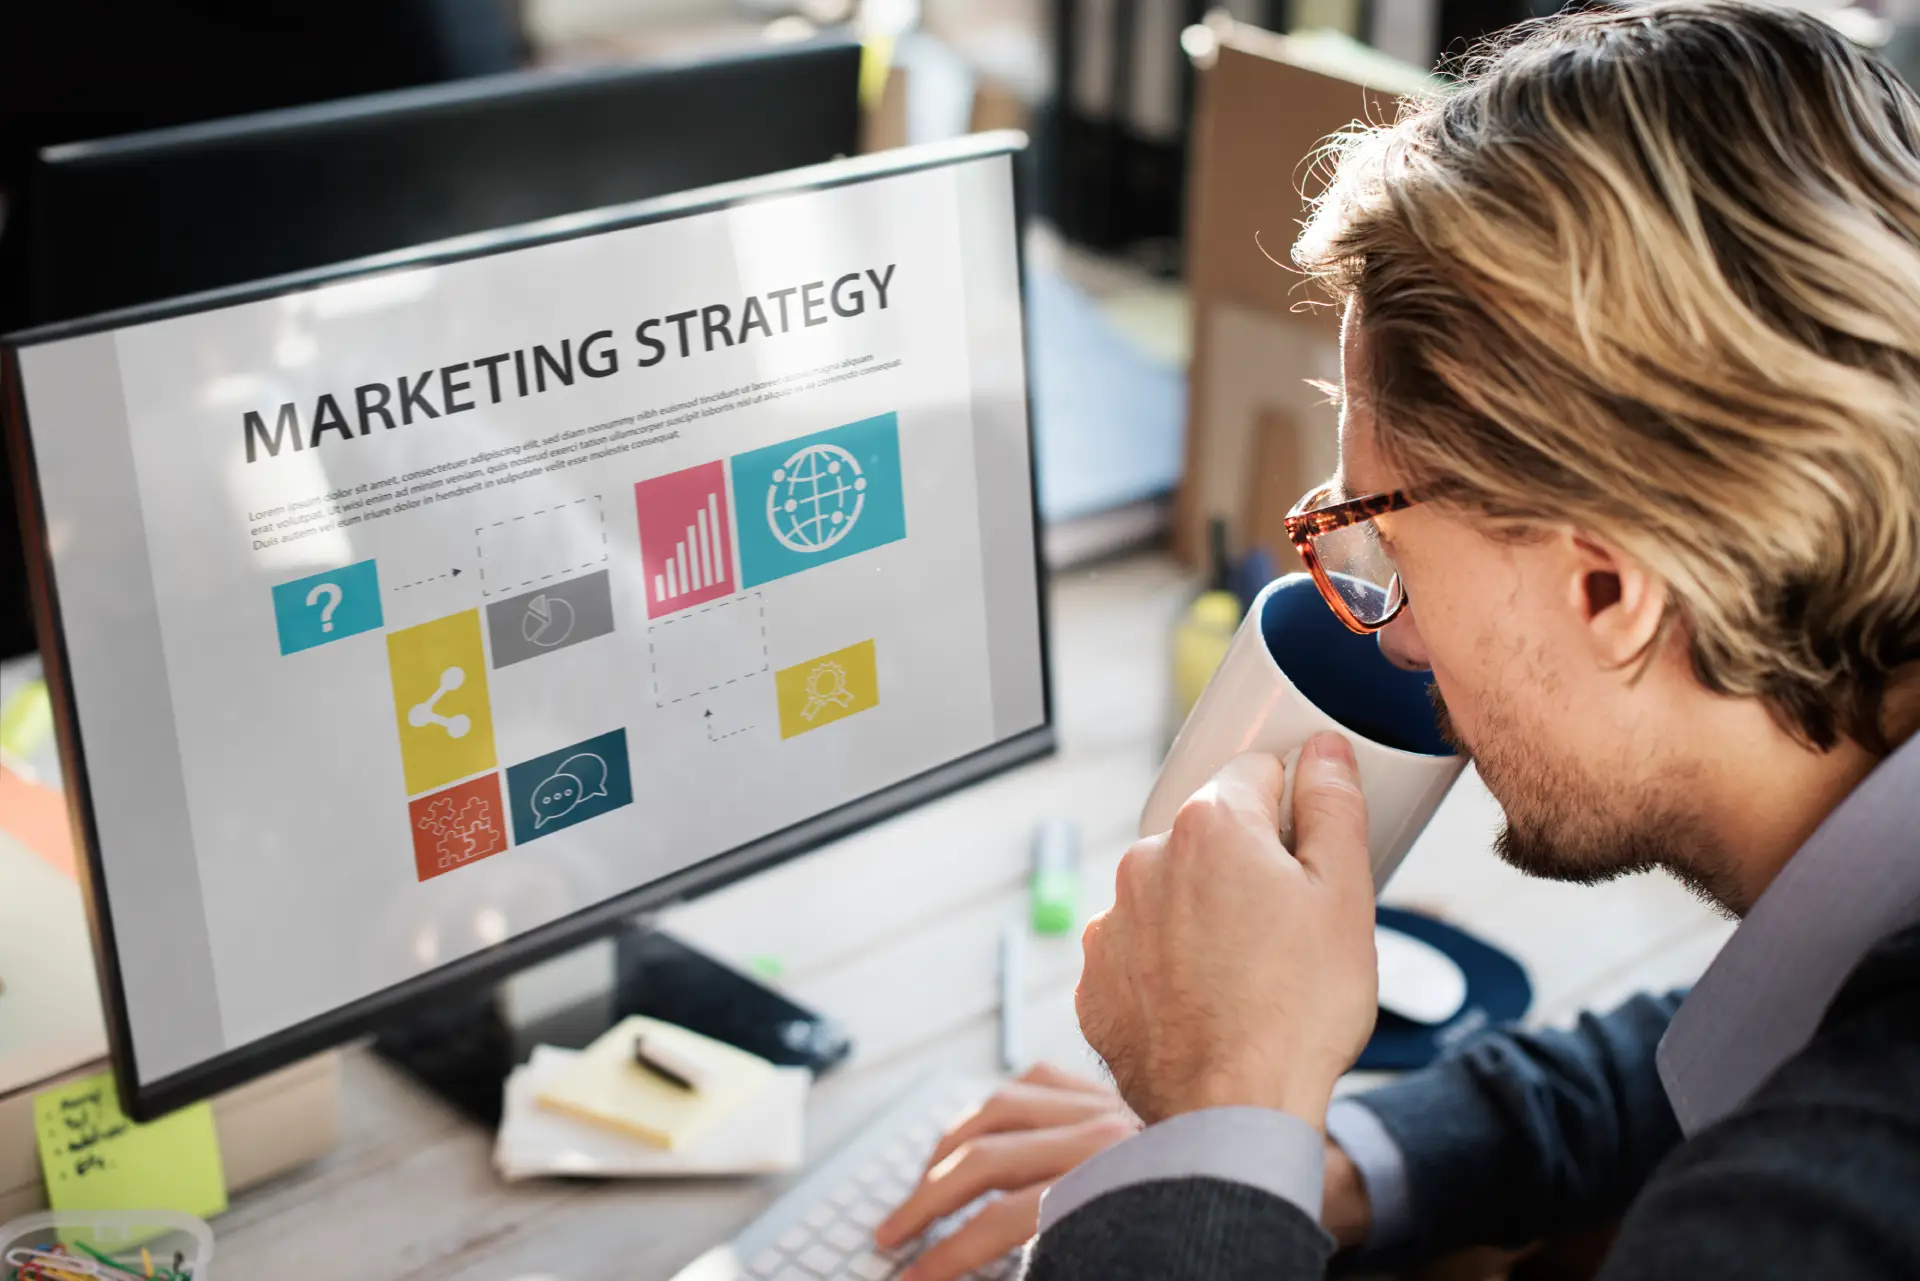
(984, 104)
(883, 123)
(1286, 460)
(1260, 329)
(996, 106)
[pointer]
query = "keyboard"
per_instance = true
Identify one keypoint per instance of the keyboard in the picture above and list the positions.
(822, 1228)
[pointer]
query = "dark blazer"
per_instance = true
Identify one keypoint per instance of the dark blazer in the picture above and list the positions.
(1519, 1136)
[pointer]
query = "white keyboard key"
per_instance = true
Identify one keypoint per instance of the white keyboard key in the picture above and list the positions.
(793, 1274)
(870, 1267)
(845, 1238)
(793, 1238)
(767, 1263)
(896, 1154)
(821, 1261)
(871, 1172)
(847, 1194)
(922, 1135)
(820, 1216)
(867, 1214)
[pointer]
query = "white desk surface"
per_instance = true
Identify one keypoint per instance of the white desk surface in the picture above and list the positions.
(894, 932)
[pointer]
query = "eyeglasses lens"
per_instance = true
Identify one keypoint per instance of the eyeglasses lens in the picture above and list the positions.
(1360, 571)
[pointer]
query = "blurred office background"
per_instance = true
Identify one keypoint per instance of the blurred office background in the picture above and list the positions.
(1170, 355)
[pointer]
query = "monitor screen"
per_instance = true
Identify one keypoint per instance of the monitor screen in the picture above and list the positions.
(416, 621)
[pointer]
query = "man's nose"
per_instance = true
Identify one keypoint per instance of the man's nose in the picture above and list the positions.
(1400, 641)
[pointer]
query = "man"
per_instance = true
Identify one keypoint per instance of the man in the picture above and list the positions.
(1632, 409)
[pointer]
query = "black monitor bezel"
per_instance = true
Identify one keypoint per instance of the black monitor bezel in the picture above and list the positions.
(144, 1101)
(435, 105)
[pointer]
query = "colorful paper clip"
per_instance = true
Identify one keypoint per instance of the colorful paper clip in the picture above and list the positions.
(60, 1263)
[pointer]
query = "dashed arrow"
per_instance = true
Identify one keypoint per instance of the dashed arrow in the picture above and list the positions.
(431, 578)
(715, 738)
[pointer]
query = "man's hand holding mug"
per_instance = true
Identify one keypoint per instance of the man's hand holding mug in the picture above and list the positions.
(1230, 970)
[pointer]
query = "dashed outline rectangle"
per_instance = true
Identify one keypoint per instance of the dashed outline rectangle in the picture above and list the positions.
(480, 552)
(688, 615)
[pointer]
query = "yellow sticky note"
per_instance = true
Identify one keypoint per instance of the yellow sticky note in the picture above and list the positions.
(94, 1158)
(876, 64)
(440, 701)
(26, 720)
(605, 1086)
(823, 690)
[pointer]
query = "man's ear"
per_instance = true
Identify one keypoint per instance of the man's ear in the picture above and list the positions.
(1618, 600)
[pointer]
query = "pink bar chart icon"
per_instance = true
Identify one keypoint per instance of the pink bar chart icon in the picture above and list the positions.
(686, 546)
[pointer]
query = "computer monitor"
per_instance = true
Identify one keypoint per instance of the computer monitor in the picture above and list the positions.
(170, 212)
(415, 620)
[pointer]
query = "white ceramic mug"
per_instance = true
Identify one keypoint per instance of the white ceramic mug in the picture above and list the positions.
(1292, 671)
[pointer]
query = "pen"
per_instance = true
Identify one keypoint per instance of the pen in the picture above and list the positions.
(1013, 987)
(668, 1064)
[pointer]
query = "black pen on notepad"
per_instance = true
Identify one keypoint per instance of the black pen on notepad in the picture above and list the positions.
(669, 1064)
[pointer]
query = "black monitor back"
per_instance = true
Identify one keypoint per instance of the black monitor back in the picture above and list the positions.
(176, 211)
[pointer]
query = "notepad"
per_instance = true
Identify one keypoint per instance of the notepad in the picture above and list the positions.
(94, 1158)
(605, 1086)
(764, 1136)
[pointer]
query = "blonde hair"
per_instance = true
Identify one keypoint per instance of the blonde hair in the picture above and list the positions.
(1655, 273)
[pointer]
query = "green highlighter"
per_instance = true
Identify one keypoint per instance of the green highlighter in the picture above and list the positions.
(1055, 888)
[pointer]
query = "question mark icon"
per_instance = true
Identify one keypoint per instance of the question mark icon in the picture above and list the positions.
(332, 592)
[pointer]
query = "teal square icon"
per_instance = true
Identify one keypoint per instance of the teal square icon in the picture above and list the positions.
(327, 607)
(551, 793)
(818, 499)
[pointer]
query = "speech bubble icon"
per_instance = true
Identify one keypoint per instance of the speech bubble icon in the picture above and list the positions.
(555, 797)
(590, 769)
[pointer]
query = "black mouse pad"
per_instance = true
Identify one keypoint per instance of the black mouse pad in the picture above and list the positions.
(1497, 992)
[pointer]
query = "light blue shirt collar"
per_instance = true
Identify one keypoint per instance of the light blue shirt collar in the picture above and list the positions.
(1855, 881)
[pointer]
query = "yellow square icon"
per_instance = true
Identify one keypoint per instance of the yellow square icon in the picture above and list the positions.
(440, 700)
(826, 689)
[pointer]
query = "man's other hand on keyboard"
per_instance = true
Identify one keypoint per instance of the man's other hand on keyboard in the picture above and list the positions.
(1032, 1131)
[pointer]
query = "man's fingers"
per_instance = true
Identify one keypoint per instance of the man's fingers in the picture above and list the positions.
(998, 1162)
(1250, 786)
(1003, 1224)
(1020, 1106)
(1329, 813)
(1061, 1079)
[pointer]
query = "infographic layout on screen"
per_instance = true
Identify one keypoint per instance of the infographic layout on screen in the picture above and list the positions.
(484, 592)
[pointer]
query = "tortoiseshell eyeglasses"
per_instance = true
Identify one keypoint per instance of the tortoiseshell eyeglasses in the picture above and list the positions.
(1341, 546)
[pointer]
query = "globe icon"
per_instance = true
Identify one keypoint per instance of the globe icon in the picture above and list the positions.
(815, 498)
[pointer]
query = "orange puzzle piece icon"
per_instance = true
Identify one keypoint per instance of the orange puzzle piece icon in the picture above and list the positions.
(457, 826)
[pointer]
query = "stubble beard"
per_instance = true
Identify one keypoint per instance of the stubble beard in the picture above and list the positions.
(1562, 824)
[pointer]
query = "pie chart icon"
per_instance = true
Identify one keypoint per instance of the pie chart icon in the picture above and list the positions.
(548, 621)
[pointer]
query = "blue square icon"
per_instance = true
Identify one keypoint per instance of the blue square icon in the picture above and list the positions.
(327, 607)
(818, 498)
(550, 793)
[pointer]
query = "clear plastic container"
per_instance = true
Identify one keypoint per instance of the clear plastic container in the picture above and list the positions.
(119, 1233)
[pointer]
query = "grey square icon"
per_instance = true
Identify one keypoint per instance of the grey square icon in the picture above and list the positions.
(553, 617)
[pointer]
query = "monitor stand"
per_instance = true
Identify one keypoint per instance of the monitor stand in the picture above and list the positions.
(462, 1048)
